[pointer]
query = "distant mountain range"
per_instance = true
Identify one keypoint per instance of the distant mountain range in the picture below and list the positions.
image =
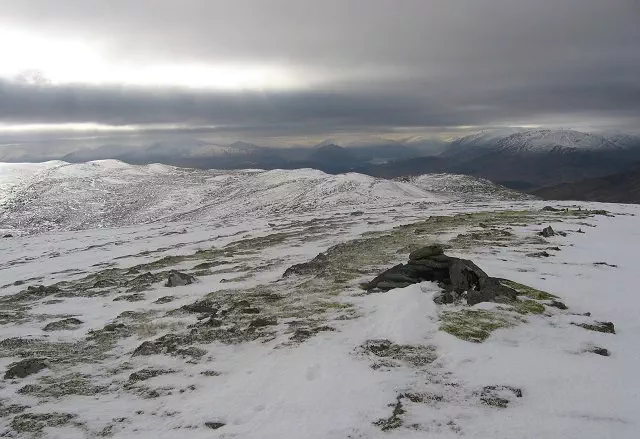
(326, 156)
(522, 159)
(525, 159)
(623, 187)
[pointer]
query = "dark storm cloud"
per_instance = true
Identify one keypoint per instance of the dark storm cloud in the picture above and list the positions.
(380, 63)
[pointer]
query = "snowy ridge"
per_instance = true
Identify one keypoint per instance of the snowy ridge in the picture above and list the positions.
(533, 141)
(106, 193)
(467, 187)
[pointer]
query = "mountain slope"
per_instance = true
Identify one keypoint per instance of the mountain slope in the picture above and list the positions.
(107, 193)
(524, 160)
(623, 187)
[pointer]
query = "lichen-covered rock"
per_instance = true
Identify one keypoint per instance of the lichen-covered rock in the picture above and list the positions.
(178, 279)
(147, 348)
(262, 322)
(605, 327)
(36, 422)
(64, 324)
(316, 266)
(24, 368)
(426, 252)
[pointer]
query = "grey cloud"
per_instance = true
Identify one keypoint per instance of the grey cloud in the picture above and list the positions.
(385, 63)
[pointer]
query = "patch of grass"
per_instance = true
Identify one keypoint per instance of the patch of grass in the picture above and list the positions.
(474, 325)
(528, 307)
(530, 292)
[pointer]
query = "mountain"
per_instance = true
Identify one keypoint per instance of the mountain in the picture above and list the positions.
(623, 187)
(525, 159)
(544, 141)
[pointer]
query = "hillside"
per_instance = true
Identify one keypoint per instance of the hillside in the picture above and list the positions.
(623, 187)
(153, 301)
(109, 193)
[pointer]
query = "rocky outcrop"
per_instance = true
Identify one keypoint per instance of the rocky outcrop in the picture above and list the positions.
(64, 324)
(458, 278)
(315, 266)
(178, 279)
(547, 232)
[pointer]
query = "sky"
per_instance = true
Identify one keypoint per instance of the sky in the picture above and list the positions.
(275, 71)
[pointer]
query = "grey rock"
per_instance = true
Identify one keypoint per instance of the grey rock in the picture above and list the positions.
(214, 425)
(466, 276)
(64, 324)
(145, 374)
(426, 252)
(547, 232)
(262, 322)
(147, 348)
(178, 279)
(599, 351)
(24, 368)
(605, 327)
(542, 254)
(499, 396)
(316, 266)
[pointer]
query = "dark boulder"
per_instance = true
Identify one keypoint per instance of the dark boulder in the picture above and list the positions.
(178, 279)
(547, 232)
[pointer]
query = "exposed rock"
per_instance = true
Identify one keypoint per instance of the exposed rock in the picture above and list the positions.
(464, 276)
(426, 252)
(605, 327)
(64, 324)
(262, 322)
(147, 348)
(24, 368)
(302, 334)
(605, 264)
(542, 254)
(36, 422)
(315, 266)
(164, 299)
(178, 279)
(599, 351)
(214, 425)
(558, 304)
(499, 396)
(416, 356)
(204, 306)
(547, 232)
(457, 276)
(550, 209)
(395, 420)
(7, 235)
(145, 374)
(135, 297)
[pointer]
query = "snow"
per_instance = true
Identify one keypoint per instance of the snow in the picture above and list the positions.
(536, 141)
(324, 387)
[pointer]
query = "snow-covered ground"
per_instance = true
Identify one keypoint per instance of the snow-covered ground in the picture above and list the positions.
(244, 352)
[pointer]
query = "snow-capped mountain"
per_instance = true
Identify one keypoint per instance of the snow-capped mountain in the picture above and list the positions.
(544, 141)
